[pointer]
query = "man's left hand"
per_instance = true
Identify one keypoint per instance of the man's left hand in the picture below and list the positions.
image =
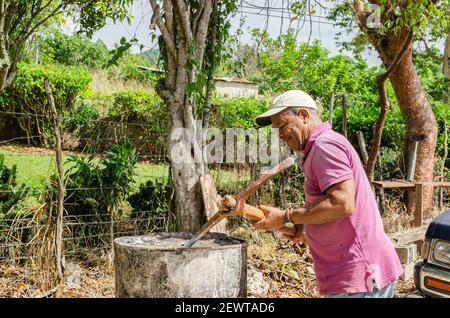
(273, 220)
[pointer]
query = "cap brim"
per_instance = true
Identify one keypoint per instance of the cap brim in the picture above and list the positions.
(264, 119)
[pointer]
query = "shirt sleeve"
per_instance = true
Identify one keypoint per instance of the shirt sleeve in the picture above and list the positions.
(330, 163)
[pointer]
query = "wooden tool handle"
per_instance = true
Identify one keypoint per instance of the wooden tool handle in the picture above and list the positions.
(252, 213)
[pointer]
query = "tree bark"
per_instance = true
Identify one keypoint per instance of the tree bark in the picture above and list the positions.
(184, 33)
(420, 124)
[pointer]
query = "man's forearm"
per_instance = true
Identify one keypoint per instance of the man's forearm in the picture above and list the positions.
(323, 210)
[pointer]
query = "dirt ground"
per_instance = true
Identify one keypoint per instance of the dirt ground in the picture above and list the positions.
(286, 267)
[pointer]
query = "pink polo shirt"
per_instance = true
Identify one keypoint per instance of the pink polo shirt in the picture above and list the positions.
(353, 253)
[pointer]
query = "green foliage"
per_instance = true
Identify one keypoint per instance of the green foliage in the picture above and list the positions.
(83, 120)
(128, 68)
(288, 65)
(442, 113)
(429, 68)
(93, 17)
(27, 95)
(67, 83)
(139, 106)
(135, 106)
(10, 192)
(95, 189)
(73, 50)
(152, 200)
(237, 112)
(11, 195)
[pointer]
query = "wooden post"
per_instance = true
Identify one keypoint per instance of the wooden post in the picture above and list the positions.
(362, 146)
(441, 189)
(410, 172)
(418, 216)
(381, 189)
(344, 116)
(330, 120)
(53, 114)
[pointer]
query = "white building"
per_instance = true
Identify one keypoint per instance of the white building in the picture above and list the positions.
(234, 87)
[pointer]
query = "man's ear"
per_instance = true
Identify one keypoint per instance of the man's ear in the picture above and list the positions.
(304, 114)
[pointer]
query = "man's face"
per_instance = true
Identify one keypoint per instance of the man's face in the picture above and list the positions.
(293, 129)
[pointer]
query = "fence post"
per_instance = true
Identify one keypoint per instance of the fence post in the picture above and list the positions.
(412, 157)
(362, 146)
(330, 120)
(344, 116)
(418, 215)
(59, 266)
(441, 192)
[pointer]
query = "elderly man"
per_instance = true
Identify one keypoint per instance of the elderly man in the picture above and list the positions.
(352, 255)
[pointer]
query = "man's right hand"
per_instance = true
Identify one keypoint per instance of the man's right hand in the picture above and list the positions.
(299, 236)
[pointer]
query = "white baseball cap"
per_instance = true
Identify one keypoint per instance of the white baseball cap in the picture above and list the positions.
(293, 98)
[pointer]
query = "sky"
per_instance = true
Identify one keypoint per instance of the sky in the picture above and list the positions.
(322, 29)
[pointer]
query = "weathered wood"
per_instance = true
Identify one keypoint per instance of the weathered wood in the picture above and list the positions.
(446, 69)
(441, 190)
(54, 115)
(330, 120)
(408, 236)
(394, 184)
(381, 189)
(418, 213)
(412, 158)
(344, 116)
(362, 146)
(399, 184)
(210, 202)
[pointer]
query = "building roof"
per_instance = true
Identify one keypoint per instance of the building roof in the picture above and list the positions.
(234, 79)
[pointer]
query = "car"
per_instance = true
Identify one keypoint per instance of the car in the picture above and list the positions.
(432, 275)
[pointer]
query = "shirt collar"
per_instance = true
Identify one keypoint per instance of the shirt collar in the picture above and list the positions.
(313, 137)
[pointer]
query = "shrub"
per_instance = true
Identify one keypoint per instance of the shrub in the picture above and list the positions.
(10, 192)
(27, 95)
(237, 112)
(96, 189)
(83, 118)
(11, 195)
(151, 200)
(74, 50)
(142, 107)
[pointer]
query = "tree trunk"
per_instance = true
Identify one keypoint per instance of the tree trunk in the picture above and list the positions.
(420, 122)
(416, 110)
(185, 176)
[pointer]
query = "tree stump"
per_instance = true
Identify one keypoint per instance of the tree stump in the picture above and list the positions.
(159, 266)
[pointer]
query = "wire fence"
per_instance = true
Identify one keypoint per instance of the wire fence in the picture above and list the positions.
(28, 192)
(28, 198)
(28, 195)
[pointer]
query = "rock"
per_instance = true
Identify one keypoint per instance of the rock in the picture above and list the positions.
(256, 285)
(73, 276)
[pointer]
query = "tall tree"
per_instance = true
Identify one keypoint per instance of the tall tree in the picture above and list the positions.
(20, 19)
(192, 34)
(390, 26)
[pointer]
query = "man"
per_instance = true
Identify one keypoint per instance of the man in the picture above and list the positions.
(352, 255)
